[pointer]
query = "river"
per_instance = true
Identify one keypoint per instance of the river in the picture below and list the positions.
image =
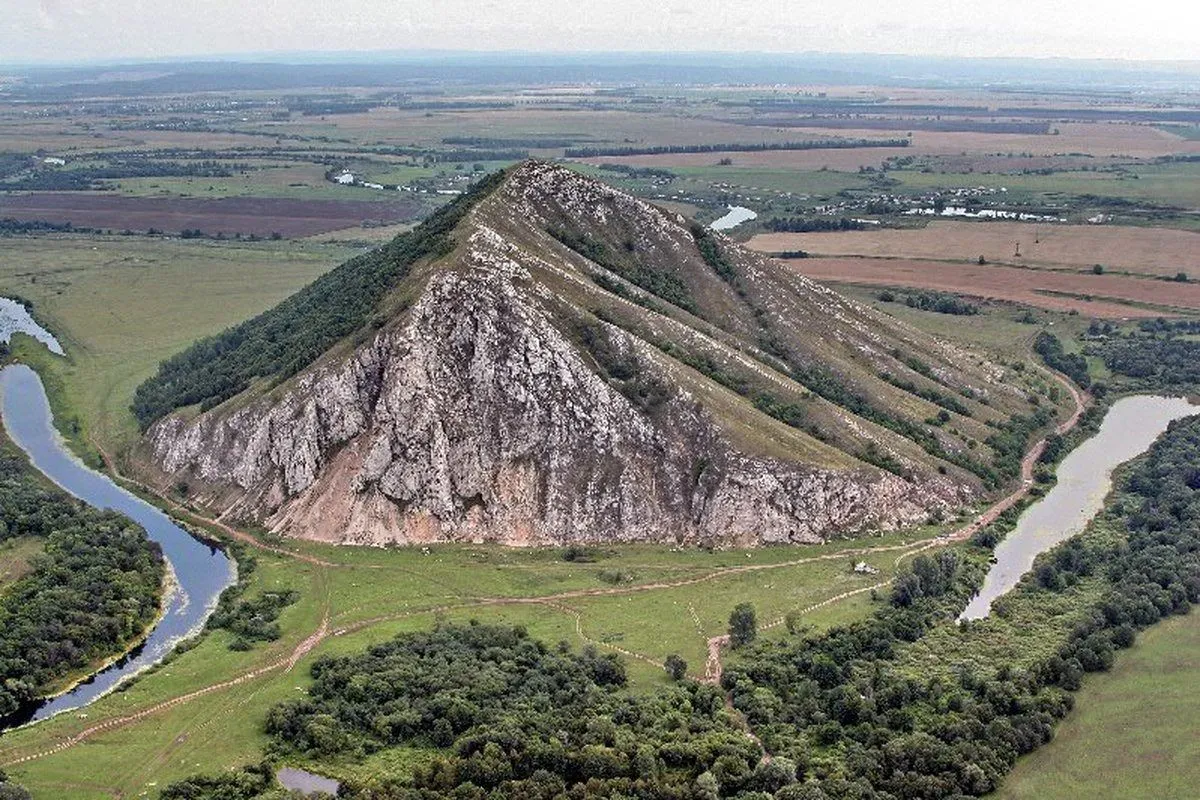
(201, 571)
(1084, 479)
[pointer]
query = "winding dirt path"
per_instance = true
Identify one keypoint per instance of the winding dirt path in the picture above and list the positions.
(110, 466)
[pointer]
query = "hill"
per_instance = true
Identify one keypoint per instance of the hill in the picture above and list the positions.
(550, 360)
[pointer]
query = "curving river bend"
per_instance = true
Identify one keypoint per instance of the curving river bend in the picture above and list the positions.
(201, 571)
(1084, 479)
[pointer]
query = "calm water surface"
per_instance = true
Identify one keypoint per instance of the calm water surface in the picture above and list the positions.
(201, 571)
(1084, 478)
(14, 317)
(736, 216)
(298, 780)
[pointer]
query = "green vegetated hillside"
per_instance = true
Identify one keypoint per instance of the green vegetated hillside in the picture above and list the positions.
(792, 369)
(282, 341)
(88, 589)
(797, 353)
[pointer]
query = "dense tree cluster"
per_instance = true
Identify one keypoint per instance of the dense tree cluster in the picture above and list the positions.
(515, 717)
(938, 302)
(284, 340)
(88, 177)
(253, 620)
(92, 591)
(836, 706)
(497, 143)
(712, 254)
(13, 227)
(245, 783)
(1073, 365)
(1011, 439)
(1154, 359)
(651, 173)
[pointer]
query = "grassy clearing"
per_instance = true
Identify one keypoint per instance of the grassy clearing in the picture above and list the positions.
(1004, 330)
(119, 305)
(1189, 132)
(15, 555)
(1133, 731)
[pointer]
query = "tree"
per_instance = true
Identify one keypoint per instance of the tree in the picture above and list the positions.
(1098, 269)
(743, 625)
(675, 666)
(9, 790)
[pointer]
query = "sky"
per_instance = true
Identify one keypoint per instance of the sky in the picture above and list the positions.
(83, 30)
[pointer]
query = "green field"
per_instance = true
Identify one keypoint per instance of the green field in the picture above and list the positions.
(1133, 731)
(1171, 183)
(372, 594)
(120, 305)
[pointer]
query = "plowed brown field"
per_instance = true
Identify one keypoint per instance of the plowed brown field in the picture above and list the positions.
(261, 216)
(1042, 288)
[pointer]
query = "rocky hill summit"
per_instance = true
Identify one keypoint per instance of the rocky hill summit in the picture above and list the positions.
(549, 360)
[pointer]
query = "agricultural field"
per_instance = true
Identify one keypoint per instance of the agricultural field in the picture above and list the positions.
(1106, 296)
(1132, 733)
(1160, 252)
(224, 217)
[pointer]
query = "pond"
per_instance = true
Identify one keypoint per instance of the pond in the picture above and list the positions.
(1084, 479)
(736, 216)
(15, 318)
(298, 780)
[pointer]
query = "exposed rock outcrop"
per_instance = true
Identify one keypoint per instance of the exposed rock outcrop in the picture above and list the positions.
(475, 413)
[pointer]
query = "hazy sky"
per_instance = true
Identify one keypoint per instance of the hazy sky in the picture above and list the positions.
(65, 30)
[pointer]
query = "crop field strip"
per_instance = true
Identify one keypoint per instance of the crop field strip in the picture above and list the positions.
(1114, 296)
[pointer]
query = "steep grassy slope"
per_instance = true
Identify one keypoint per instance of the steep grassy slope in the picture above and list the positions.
(553, 360)
(796, 351)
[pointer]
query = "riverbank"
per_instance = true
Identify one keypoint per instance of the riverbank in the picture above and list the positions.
(170, 585)
(201, 570)
(1084, 479)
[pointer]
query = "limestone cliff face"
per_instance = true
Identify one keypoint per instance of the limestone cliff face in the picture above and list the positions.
(475, 415)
